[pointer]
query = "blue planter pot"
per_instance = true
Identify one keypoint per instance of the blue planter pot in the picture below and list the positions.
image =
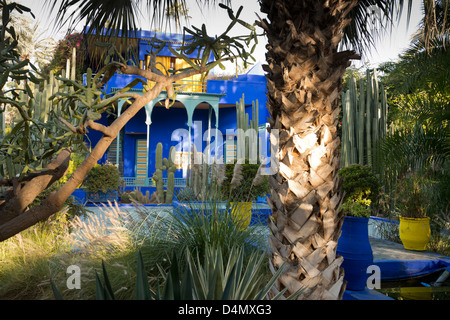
(355, 247)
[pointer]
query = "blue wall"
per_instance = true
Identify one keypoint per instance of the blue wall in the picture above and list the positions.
(253, 87)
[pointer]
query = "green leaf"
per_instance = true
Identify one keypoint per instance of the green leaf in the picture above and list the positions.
(142, 287)
(186, 287)
(94, 116)
(99, 289)
(184, 57)
(227, 292)
(56, 292)
(108, 290)
(175, 276)
(3, 79)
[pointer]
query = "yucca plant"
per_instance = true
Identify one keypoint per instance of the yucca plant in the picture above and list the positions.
(195, 224)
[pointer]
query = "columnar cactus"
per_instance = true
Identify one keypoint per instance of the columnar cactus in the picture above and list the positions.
(171, 168)
(162, 164)
(158, 174)
(244, 123)
(363, 121)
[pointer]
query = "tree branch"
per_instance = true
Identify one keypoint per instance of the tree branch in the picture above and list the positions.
(18, 203)
(68, 125)
(99, 127)
(188, 73)
(147, 74)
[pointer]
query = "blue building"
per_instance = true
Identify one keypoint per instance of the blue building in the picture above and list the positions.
(204, 113)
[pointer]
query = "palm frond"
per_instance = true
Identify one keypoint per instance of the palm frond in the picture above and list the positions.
(418, 150)
(361, 34)
(117, 17)
(110, 16)
(436, 21)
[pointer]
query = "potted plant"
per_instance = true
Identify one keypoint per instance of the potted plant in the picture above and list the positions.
(102, 183)
(412, 203)
(243, 184)
(360, 190)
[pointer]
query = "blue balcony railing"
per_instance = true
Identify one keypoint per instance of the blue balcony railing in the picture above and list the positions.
(149, 182)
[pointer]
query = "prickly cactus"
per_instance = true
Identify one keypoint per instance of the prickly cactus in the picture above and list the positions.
(158, 175)
(171, 168)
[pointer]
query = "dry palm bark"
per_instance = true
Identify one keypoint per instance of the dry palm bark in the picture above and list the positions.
(304, 78)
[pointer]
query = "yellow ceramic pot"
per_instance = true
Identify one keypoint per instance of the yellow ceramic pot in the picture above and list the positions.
(415, 233)
(242, 214)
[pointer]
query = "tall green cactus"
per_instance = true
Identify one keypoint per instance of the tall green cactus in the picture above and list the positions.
(158, 174)
(244, 123)
(364, 114)
(162, 164)
(171, 168)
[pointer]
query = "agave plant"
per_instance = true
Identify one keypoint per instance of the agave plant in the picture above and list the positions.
(233, 279)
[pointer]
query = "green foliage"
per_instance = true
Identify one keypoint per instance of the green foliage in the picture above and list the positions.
(237, 277)
(186, 194)
(418, 142)
(76, 159)
(102, 178)
(35, 136)
(361, 189)
(245, 125)
(251, 184)
(355, 209)
(194, 225)
(412, 199)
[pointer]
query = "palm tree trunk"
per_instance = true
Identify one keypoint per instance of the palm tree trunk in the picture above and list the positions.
(304, 83)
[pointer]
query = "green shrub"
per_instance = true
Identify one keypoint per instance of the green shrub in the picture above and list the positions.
(355, 209)
(102, 178)
(361, 189)
(412, 199)
(360, 184)
(186, 194)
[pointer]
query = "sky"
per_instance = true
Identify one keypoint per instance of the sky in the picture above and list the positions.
(216, 20)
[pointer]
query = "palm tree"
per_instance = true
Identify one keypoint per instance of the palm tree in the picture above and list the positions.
(32, 43)
(305, 65)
